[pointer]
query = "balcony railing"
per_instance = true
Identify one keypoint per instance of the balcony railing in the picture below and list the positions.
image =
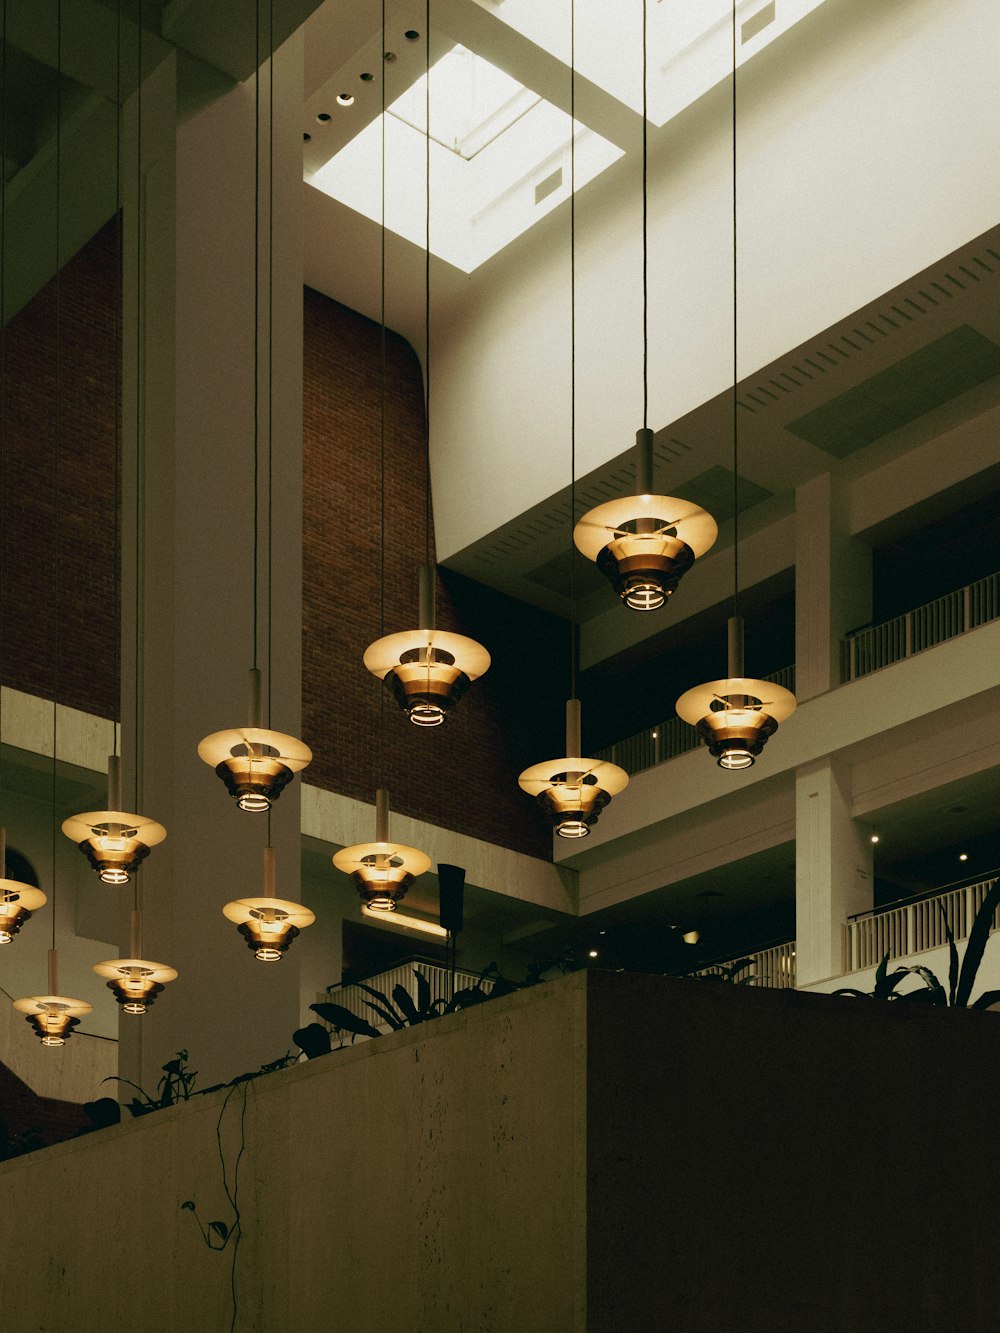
(957, 612)
(773, 967)
(668, 739)
(352, 997)
(914, 927)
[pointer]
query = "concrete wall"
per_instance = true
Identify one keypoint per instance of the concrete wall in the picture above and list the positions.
(604, 1152)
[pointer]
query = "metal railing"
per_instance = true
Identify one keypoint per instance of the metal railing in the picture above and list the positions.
(352, 997)
(773, 967)
(668, 739)
(914, 927)
(935, 622)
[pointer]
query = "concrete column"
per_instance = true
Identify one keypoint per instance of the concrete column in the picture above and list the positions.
(833, 868)
(833, 581)
(196, 540)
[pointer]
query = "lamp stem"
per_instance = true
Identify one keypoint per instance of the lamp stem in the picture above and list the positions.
(573, 741)
(114, 782)
(3, 853)
(427, 603)
(735, 653)
(382, 815)
(644, 461)
(269, 872)
(135, 934)
(53, 972)
(255, 715)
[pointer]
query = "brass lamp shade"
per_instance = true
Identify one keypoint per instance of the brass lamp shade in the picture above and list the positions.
(382, 871)
(53, 1017)
(255, 764)
(736, 716)
(135, 982)
(268, 924)
(427, 670)
(113, 841)
(17, 902)
(573, 791)
(644, 544)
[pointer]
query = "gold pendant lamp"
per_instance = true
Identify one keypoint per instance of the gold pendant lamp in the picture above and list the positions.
(382, 870)
(268, 924)
(737, 715)
(573, 790)
(426, 670)
(17, 900)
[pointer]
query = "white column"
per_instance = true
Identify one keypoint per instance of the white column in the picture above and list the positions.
(833, 583)
(833, 868)
(229, 1011)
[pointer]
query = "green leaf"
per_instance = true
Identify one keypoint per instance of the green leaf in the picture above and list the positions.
(404, 1003)
(978, 936)
(929, 995)
(987, 998)
(343, 1018)
(849, 990)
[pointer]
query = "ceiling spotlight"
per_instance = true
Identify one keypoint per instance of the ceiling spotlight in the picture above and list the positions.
(323, 117)
(963, 856)
(345, 99)
(874, 837)
(592, 953)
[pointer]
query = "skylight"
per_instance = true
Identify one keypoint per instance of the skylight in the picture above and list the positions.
(689, 42)
(499, 161)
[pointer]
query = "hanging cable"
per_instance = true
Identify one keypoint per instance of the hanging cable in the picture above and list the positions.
(736, 427)
(55, 468)
(572, 338)
(427, 279)
(119, 225)
(645, 245)
(256, 327)
(380, 781)
(3, 325)
(270, 353)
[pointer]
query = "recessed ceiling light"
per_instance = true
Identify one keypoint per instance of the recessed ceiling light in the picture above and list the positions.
(592, 954)
(602, 932)
(412, 35)
(323, 117)
(963, 856)
(345, 99)
(366, 77)
(874, 837)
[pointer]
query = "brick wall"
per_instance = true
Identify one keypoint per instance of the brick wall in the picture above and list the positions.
(57, 605)
(57, 633)
(462, 775)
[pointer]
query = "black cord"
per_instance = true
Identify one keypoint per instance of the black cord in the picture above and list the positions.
(119, 223)
(256, 324)
(3, 325)
(572, 337)
(139, 431)
(55, 462)
(645, 246)
(736, 427)
(380, 777)
(270, 352)
(427, 276)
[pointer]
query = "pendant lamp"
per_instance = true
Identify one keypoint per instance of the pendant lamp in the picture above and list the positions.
(572, 790)
(426, 670)
(735, 716)
(644, 543)
(268, 924)
(17, 900)
(382, 870)
(53, 1016)
(255, 763)
(135, 982)
(114, 841)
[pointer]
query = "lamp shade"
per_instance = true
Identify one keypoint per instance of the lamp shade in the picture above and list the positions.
(427, 670)
(17, 902)
(113, 841)
(382, 871)
(268, 924)
(135, 982)
(644, 544)
(735, 716)
(573, 791)
(255, 764)
(53, 1017)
